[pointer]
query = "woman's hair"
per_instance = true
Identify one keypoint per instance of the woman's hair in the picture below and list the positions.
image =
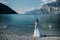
(37, 20)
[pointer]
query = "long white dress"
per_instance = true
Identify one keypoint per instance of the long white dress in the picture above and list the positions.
(36, 31)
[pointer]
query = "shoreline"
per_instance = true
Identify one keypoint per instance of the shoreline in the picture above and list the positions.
(19, 37)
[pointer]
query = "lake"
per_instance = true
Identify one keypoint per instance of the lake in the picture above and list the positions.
(49, 24)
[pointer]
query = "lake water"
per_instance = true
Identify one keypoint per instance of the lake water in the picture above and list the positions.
(49, 24)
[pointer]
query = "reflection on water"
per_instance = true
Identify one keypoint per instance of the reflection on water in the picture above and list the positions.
(24, 24)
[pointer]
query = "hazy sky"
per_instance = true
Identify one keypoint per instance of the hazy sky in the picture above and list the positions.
(21, 6)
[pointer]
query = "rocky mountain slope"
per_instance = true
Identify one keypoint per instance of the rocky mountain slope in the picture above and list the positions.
(4, 9)
(49, 8)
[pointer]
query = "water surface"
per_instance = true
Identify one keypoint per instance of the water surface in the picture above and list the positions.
(24, 24)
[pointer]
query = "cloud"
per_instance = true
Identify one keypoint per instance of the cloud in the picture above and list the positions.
(4, 2)
(47, 1)
(22, 11)
(29, 9)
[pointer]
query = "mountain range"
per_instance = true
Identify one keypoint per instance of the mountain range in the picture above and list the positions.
(49, 8)
(4, 9)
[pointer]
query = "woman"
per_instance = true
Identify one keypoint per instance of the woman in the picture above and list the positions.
(36, 30)
(36, 23)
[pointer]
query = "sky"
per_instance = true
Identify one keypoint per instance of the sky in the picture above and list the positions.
(21, 6)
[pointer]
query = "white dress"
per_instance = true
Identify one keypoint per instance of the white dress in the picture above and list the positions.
(36, 31)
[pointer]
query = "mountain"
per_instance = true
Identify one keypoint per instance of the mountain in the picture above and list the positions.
(37, 11)
(4, 9)
(49, 8)
(52, 8)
